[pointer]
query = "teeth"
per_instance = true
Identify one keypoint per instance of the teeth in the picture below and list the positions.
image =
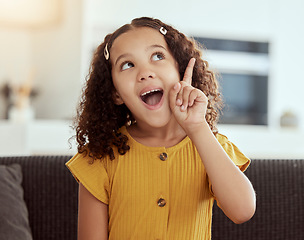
(155, 90)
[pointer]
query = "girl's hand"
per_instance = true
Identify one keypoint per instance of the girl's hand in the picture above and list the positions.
(188, 104)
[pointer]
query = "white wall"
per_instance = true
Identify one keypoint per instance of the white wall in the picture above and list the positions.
(54, 52)
(56, 55)
(287, 59)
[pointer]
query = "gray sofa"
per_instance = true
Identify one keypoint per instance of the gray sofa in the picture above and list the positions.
(50, 197)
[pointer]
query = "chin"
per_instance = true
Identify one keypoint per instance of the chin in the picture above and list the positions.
(159, 121)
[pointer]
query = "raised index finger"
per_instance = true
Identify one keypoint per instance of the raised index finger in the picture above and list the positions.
(189, 70)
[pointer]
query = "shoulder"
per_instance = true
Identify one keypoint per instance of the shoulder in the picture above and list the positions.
(235, 154)
(83, 159)
(221, 138)
(93, 175)
(82, 163)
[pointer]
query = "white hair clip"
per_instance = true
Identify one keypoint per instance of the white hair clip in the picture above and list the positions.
(106, 52)
(163, 31)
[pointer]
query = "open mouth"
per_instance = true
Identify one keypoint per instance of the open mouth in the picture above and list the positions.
(152, 97)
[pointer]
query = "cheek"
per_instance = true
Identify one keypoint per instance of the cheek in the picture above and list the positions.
(117, 93)
(173, 75)
(117, 82)
(123, 89)
(176, 71)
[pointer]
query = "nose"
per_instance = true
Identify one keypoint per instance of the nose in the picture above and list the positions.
(146, 73)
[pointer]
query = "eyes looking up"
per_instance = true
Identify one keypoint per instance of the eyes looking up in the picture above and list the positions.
(157, 56)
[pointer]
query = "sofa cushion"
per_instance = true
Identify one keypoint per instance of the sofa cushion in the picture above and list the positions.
(14, 222)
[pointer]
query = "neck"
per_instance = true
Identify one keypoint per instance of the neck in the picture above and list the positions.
(166, 136)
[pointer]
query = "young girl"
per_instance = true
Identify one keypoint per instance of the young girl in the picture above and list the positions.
(151, 161)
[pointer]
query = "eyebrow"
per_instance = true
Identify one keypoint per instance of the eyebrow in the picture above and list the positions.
(121, 56)
(149, 47)
(156, 46)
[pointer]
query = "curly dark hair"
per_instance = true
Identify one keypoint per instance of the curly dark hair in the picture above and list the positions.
(99, 119)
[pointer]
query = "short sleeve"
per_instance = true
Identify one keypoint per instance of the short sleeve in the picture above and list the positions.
(233, 152)
(93, 176)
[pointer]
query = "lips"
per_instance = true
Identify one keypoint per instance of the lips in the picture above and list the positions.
(152, 97)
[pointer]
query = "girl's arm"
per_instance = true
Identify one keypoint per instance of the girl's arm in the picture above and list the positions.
(92, 216)
(231, 187)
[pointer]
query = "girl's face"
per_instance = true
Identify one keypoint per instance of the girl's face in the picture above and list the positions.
(143, 72)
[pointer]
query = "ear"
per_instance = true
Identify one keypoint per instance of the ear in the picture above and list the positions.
(116, 98)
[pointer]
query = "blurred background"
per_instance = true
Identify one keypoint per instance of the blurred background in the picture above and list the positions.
(255, 46)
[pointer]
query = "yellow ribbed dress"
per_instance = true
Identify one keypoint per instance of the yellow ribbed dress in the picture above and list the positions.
(154, 192)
